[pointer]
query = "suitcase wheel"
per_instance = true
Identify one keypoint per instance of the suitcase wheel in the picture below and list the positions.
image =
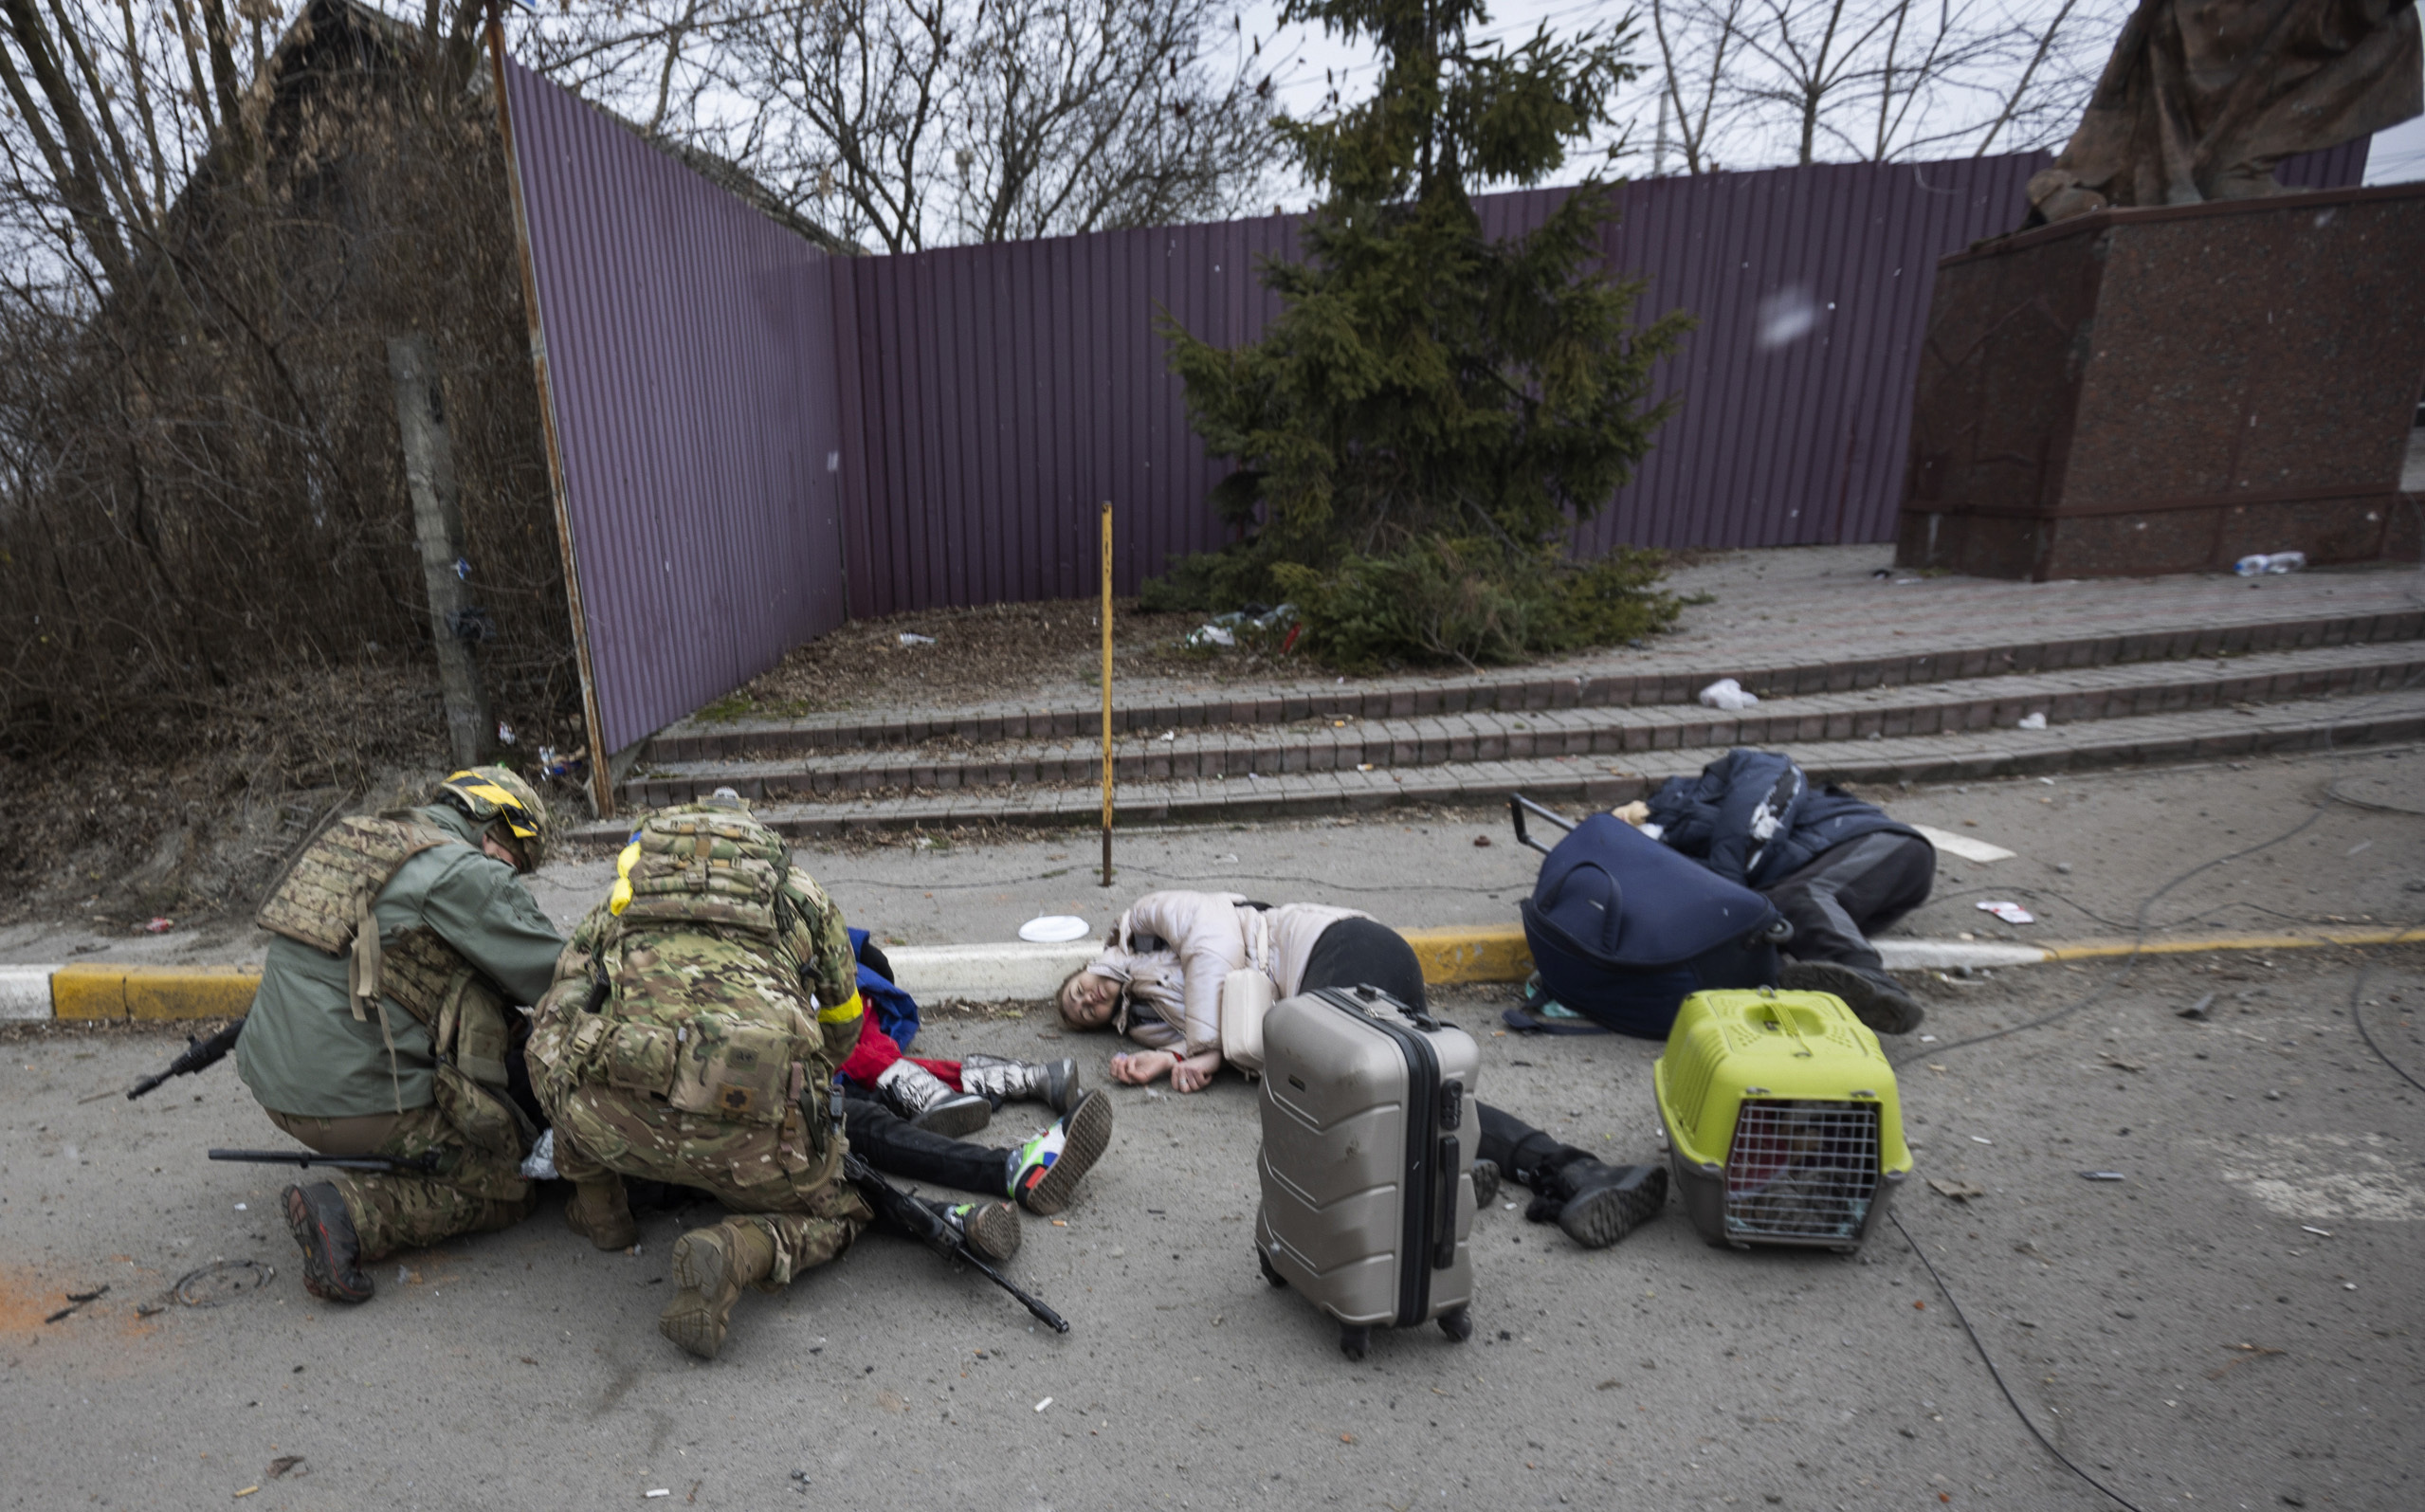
(1355, 1342)
(1457, 1323)
(1270, 1272)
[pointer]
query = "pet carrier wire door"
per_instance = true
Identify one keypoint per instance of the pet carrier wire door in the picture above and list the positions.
(1783, 1121)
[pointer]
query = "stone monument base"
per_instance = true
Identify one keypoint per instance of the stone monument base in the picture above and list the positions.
(2139, 391)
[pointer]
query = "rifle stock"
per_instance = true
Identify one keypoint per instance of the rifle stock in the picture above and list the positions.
(198, 1055)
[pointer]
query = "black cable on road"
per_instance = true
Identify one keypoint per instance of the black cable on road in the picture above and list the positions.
(1988, 1360)
(2131, 962)
(2357, 1016)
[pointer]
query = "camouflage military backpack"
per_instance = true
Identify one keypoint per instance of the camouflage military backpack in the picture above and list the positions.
(695, 981)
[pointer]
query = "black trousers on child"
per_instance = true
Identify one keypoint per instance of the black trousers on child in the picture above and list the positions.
(1853, 891)
(899, 1148)
(1365, 953)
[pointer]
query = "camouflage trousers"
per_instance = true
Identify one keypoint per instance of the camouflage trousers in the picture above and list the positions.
(471, 1191)
(764, 1175)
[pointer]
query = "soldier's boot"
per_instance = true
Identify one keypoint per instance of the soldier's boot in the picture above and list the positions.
(711, 1266)
(600, 1211)
(1597, 1205)
(928, 1102)
(1054, 1083)
(316, 1216)
(1875, 998)
(1045, 1171)
(991, 1229)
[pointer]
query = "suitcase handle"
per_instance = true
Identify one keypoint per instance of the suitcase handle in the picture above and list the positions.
(1418, 1017)
(1444, 1202)
(1517, 806)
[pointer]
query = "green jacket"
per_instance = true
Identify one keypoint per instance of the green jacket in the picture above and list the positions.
(303, 1052)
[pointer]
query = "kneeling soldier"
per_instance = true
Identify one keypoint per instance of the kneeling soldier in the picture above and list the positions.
(380, 1027)
(692, 1038)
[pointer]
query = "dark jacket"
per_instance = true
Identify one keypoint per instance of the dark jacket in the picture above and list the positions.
(1753, 817)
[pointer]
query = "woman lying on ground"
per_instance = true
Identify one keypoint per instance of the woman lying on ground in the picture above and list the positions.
(1159, 980)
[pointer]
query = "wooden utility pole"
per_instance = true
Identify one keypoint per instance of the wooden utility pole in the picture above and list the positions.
(438, 526)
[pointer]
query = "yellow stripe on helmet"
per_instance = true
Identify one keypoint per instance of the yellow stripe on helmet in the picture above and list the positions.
(509, 807)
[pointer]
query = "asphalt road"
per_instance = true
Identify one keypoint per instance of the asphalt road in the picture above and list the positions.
(2235, 1323)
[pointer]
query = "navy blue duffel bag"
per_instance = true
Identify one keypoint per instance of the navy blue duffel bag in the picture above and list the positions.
(1623, 929)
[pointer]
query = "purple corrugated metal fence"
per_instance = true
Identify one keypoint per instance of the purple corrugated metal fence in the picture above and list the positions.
(1005, 391)
(752, 430)
(691, 353)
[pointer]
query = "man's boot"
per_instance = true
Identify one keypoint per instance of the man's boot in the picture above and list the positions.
(600, 1211)
(1054, 1083)
(1485, 1183)
(1597, 1205)
(316, 1215)
(926, 1100)
(1044, 1172)
(991, 1229)
(1875, 998)
(711, 1266)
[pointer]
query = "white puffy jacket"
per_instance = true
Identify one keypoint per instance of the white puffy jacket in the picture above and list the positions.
(1172, 949)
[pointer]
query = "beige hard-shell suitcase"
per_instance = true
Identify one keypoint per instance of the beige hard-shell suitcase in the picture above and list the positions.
(1367, 1162)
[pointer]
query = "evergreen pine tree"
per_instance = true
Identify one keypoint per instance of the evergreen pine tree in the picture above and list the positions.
(1432, 410)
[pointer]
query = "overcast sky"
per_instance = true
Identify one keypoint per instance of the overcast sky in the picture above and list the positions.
(1299, 55)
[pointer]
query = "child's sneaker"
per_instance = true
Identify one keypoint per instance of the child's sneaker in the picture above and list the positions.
(1044, 1171)
(991, 1229)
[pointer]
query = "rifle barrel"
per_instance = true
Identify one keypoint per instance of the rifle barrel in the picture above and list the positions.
(340, 1163)
(900, 1205)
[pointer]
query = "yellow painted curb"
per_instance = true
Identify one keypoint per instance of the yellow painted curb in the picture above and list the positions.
(2097, 949)
(94, 991)
(1497, 953)
(1458, 953)
(1472, 952)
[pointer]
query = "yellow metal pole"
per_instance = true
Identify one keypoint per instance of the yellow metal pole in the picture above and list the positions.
(1106, 727)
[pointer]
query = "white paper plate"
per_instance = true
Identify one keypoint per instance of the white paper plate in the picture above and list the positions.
(1055, 929)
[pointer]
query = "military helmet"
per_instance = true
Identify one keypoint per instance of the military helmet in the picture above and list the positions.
(495, 795)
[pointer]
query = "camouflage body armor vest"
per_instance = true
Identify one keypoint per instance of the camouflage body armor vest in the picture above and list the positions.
(326, 902)
(691, 987)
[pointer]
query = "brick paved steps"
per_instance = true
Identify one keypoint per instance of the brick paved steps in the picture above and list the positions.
(1401, 745)
(2213, 733)
(1666, 677)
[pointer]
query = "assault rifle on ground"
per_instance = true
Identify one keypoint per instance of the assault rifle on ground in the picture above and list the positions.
(930, 1229)
(392, 1165)
(198, 1055)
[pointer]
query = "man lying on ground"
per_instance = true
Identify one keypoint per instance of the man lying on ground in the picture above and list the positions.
(1159, 979)
(1838, 869)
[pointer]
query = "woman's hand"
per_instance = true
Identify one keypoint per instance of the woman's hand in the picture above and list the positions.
(1195, 1073)
(1142, 1067)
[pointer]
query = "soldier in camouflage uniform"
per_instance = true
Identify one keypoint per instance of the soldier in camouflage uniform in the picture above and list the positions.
(380, 1027)
(692, 1038)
